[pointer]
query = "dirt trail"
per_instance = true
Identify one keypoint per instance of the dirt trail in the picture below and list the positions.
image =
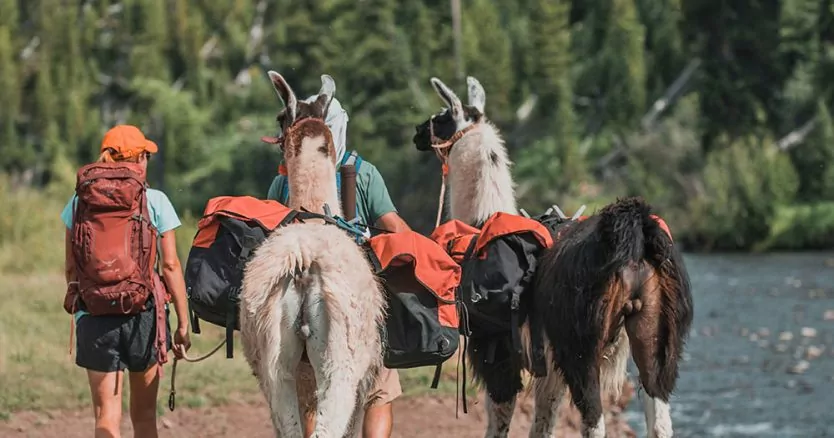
(424, 416)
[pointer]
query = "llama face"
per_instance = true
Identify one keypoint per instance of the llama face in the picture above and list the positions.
(296, 113)
(444, 127)
(455, 117)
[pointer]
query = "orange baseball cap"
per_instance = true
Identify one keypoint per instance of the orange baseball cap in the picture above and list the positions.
(128, 141)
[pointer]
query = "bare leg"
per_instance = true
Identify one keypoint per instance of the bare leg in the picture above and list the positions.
(144, 388)
(379, 421)
(106, 389)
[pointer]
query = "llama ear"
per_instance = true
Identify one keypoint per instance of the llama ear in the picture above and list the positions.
(477, 96)
(285, 93)
(328, 88)
(451, 99)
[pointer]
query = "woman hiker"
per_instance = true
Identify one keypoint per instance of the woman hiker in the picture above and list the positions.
(116, 296)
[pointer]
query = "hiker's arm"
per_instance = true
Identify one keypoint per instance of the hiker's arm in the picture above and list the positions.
(392, 221)
(69, 260)
(172, 272)
(381, 206)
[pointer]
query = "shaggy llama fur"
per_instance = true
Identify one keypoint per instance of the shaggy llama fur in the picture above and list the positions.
(309, 287)
(610, 282)
(481, 185)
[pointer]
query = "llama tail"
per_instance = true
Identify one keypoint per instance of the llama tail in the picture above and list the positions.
(659, 330)
(621, 233)
(303, 284)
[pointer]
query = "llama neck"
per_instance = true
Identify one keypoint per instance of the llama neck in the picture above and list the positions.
(480, 178)
(312, 179)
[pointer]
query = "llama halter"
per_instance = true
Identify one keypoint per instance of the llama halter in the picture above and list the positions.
(442, 148)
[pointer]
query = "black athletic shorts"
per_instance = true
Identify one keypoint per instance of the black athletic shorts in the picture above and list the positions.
(109, 343)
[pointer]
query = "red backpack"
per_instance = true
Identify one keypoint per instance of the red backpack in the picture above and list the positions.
(113, 241)
(114, 245)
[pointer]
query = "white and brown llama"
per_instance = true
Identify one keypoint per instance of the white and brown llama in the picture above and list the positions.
(309, 287)
(610, 282)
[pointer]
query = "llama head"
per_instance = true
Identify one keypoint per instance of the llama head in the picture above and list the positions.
(455, 117)
(299, 119)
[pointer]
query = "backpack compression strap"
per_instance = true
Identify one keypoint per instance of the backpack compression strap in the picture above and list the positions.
(348, 159)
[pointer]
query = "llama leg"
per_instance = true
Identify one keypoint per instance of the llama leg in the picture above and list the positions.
(338, 371)
(658, 369)
(498, 368)
(338, 384)
(499, 416)
(549, 392)
(280, 383)
(585, 389)
(658, 418)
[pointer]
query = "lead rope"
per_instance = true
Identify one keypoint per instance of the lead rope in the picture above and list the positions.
(442, 196)
(442, 149)
(173, 395)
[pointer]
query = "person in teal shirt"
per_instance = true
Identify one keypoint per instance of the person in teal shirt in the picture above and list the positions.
(372, 198)
(375, 208)
(107, 345)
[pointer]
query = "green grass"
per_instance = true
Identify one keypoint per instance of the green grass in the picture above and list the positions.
(36, 369)
(37, 372)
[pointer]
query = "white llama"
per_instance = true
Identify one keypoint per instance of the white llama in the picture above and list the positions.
(310, 287)
(481, 185)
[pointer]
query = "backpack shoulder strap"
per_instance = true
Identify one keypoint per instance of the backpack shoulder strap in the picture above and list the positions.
(352, 158)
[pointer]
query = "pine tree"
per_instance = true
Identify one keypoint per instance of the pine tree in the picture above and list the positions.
(9, 15)
(151, 40)
(814, 159)
(9, 101)
(488, 57)
(550, 78)
(623, 65)
(664, 44)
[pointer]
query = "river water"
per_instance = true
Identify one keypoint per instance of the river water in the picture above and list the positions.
(760, 359)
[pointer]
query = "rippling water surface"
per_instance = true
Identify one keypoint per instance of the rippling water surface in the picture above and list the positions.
(760, 360)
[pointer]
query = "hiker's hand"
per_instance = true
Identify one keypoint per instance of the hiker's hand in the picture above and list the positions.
(182, 342)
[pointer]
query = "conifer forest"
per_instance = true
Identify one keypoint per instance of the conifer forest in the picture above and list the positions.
(717, 112)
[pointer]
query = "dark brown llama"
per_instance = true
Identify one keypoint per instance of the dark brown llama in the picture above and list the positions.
(611, 281)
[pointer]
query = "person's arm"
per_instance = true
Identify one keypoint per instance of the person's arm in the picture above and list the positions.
(381, 206)
(392, 221)
(166, 221)
(69, 258)
(172, 273)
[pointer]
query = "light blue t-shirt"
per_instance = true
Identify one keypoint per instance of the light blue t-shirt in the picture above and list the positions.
(163, 217)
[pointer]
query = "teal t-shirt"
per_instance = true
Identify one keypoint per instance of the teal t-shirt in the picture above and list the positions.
(372, 198)
(163, 217)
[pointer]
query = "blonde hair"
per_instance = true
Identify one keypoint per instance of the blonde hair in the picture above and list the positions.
(107, 156)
